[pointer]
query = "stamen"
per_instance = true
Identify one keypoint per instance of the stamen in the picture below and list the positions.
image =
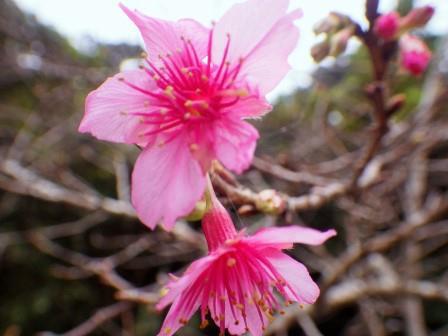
(209, 51)
(231, 262)
(169, 92)
(204, 324)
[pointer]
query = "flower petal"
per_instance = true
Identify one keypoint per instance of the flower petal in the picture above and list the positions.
(284, 237)
(235, 142)
(162, 37)
(183, 308)
(267, 63)
(300, 286)
(166, 183)
(108, 111)
(176, 287)
(250, 107)
(247, 23)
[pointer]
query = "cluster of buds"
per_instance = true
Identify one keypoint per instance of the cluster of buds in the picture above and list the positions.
(338, 29)
(414, 54)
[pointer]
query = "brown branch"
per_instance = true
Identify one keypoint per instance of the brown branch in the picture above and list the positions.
(435, 208)
(98, 318)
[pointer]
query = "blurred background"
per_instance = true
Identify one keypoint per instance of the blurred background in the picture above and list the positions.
(72, 253)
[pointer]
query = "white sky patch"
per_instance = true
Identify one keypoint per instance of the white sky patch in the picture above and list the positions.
(103, 21)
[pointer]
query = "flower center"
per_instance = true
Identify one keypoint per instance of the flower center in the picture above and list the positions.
(190, 88)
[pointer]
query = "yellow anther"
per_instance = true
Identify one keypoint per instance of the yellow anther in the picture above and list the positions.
(188, 103)
(184, 70)
(169, 92)
(204, 78)
(204, 324)
(143, 55)
(164, 291)
(163, 111)
(194, 147)
(231, 262)
(156, 77)
(242, 93)
(167, 330)
(187, 115)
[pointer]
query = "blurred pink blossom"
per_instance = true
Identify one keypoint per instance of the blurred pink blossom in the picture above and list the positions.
(387, 26)
(238, 280)
(187, 104)
(414, 54)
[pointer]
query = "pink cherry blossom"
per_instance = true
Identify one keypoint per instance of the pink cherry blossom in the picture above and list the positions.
(238, 281)
(188, 103)
(387, 25)
(414, 54)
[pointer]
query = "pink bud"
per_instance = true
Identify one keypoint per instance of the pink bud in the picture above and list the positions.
(418, 17)
(387, 26)
(415, 55)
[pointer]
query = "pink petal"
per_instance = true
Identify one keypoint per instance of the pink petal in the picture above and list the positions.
(267, 63)
(108, 109)
(247, 23)
(250, 107)
(182, 309)
(192, 273)
(286, 236)
(235, 143)
(162, 37)
(166, 183)
(301, 287)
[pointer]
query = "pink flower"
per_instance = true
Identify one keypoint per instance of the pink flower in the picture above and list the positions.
(238, 280)
(186, 106)
(387, 26)
(415, 55)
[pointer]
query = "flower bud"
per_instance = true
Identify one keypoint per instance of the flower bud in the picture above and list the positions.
(387, 26)
(270, 202)
(414, 54)
(340, 40)
(320, 50)
(331, 23)
(416, 18)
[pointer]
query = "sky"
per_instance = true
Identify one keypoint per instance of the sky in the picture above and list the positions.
(103, 21)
